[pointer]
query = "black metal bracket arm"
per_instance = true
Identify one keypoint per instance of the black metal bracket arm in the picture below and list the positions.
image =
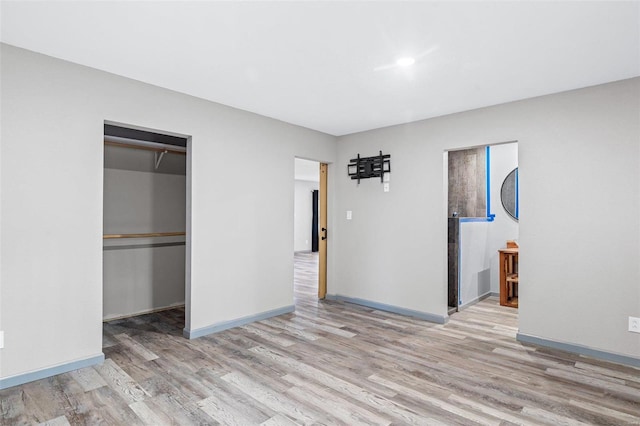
(368, 167)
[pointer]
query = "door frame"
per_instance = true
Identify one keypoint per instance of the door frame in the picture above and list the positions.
(322, 249)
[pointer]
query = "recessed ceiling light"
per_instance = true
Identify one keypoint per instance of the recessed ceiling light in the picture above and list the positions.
(405, 62)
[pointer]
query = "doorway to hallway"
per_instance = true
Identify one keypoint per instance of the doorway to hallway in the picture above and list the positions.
(310, 229)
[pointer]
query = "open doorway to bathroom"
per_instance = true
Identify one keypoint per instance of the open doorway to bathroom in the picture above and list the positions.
(481, 221)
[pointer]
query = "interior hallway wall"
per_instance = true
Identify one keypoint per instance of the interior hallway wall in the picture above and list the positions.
(576, 149)
(303, 214)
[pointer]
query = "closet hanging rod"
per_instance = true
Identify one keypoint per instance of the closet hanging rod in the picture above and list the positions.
(151, 234)
(150, 146)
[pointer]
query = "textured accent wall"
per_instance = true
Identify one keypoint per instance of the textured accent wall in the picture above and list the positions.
(468, 183)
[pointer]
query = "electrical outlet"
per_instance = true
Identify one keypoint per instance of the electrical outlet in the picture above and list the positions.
(634, 324)
(1, 339)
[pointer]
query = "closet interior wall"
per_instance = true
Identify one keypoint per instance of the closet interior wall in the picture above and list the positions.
(143, 273)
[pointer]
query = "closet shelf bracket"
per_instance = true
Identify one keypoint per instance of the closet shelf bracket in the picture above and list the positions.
(159, 157)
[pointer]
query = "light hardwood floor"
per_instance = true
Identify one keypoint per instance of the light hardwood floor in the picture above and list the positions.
(331, 363)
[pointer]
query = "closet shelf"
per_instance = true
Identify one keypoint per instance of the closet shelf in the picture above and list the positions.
(152, 234)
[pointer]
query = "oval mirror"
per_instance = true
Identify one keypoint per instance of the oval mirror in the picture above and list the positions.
(509, 193)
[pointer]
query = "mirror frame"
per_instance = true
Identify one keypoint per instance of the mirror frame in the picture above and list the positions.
(516, 213)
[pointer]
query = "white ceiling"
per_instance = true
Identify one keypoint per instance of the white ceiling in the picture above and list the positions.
(326, 65)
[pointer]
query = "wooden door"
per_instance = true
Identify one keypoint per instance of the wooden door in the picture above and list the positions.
(322, 272)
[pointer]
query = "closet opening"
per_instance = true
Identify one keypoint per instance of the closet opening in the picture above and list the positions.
(145, 214)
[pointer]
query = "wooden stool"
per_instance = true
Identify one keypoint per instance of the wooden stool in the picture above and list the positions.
(509, 276)
(512, 286)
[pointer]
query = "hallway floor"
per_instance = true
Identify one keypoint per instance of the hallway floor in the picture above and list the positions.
(305, 279)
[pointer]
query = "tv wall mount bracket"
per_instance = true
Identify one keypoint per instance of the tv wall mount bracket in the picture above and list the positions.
(369, 167)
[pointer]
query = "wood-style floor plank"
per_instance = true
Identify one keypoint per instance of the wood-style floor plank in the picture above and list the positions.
(330, 363)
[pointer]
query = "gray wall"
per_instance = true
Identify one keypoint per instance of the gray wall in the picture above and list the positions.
(143, 274)
(142, 277)
(579, 229)
(240, 195)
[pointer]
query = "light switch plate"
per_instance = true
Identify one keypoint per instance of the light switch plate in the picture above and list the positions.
(387, 177)
(385, 187)
(1, 339)
(349, 214)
